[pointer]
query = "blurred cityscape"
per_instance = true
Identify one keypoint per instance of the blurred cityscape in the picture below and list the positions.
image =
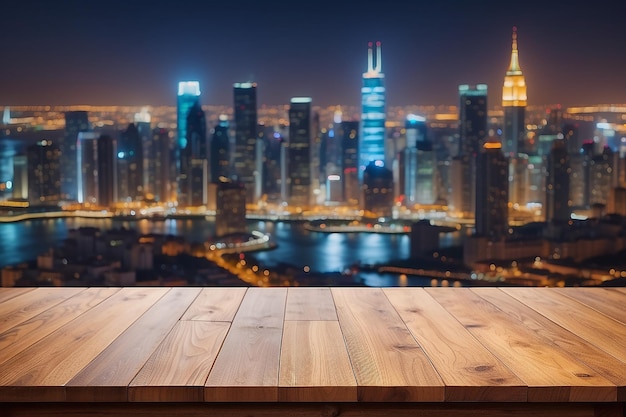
(520, 194)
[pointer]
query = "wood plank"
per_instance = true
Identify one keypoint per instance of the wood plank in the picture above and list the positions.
(19, 309)
(611, 303)
(603, 363)
(27, 333)
(8, 293)
(216, 304)
(180, 366)
(40, 372)
(388, 364)
(550, 372)
(246, 368)
(309, 410)
(596, 328)
(470, 372)
(310, 303)
(314, 363)
(107, 377)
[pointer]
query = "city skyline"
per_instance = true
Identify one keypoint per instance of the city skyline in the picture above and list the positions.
(136, 53)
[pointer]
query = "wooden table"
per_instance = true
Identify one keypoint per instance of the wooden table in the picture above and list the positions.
(313, 351)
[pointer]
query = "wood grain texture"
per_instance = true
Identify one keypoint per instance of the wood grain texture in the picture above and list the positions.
(310, 304)
(470, 372)
(216, 304)
(606, 365)
(314, 363)
(388, 364)
(180, 366)
(106, 378)
(21, 308)
(550, 372)
(610, 303)
(27, 333)
(43, 369)
(248, 364)
(8, 293)
(596, 328)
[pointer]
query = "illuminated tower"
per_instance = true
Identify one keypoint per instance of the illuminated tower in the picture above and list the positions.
(220, 150)
(514, 103)
(75, 122)
(244, 167)
(193, 179)
(188, 96)
(299, 152)
(372, 131)
(492, 192)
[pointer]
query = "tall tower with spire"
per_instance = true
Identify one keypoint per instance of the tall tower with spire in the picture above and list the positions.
(514, 103)
(372, 139)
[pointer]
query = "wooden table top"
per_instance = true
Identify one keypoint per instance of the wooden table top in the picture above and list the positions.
(313, 345)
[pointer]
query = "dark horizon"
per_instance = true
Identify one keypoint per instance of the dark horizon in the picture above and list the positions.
(134, 53)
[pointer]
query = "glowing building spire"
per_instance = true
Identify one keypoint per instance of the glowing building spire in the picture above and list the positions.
(514, 89)
(370, 58)
(514, 68)
(379, 61)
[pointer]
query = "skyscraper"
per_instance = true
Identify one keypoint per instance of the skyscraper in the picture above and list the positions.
(377, 190)
(472, 134)
(492, 192)
(159, 175)
(75, 122)
(244, 167)
(98, 167)
(230, 211)
(558, 207)
(514, 103)
(372, 131)
(188, 96)
(220, 150)
(130, 174)
(44, 172)
(350, 161)
(193, 178)
(299, 159)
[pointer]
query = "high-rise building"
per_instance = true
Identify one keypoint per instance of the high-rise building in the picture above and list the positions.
(472, 118)
(106, 170)
(377, 190)
(144, 128)
(44, 173)
(514, 103)
(299, 159)
(350, 161)
(20, 177)
(75, 122)
(492, 192)
(220, 150)
(96, 156)
(130, 164)
(159, 173)
(188, 96)
(244, 167)
(558, 207)
(230, 208)
(472, 135)
(193, 178)
(372, 129)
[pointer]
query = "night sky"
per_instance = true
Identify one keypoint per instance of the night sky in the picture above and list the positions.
(134, 52)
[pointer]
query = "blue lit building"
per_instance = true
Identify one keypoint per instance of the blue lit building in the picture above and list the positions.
(188, 96)
(372, 139)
